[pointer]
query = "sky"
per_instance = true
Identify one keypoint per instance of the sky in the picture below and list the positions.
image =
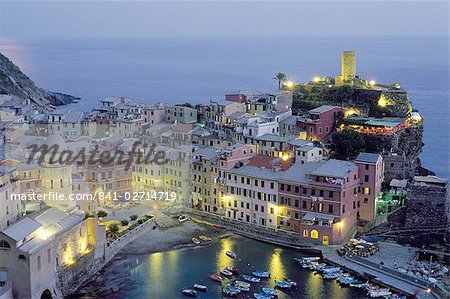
(74, 19)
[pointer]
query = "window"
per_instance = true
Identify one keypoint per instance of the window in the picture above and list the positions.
(366, 200)
(39, 263)
(366, 178)
(22, 257)
(49, 255)
(354, 205)
(367, 167)
(4, 245)
(304, 204)
(305, 233)
(330, 209)
(314, 234)
(343, 208)
(330, 194)
(366, 190)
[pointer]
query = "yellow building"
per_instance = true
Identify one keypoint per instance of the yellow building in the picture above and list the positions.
(348, 68)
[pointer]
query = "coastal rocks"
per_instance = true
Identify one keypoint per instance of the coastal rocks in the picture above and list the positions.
(14, 82)
(425, 270)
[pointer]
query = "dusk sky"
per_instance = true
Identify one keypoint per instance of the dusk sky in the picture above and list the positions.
(41, 19)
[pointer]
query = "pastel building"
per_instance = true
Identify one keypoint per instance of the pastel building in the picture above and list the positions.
(319, 123)
(371, 170)
(319, 200)
(180, 114)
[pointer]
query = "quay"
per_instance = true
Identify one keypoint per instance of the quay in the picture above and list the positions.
(378, 273)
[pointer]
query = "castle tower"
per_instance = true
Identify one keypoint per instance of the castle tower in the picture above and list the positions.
(56, 177)
(348, 65)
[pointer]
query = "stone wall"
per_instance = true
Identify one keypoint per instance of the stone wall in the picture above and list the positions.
(70, 278)
(428, 206)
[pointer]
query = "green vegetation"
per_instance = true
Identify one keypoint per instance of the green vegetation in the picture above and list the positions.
(124, 222)
(133, 217)
(280, 77)
(102, 214)
(114, 228)
(395, 102)
(346, 144)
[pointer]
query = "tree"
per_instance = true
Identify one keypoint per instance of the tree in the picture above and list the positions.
(114, 228)
(133, 217)
(280, 77)
(347, 144)
(102, 214)
(124, 222)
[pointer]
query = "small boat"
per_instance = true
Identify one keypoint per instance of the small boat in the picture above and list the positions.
(240, 283)
(379, 293)
(307, 259)
(360, 285)
(189, 292)
(204, 238)
(287, 280)
(226, 272)
(331, 269)
(231, 290)
(195, 240)
(270, 291)
(232, 270)
(261, 274)
(218, 226)
(347, 280)
(243, 288)
(331, 275)
(283, 285)
(200, 287)
(262, 295)
(231, 254)
(251, 278)
(216, 277)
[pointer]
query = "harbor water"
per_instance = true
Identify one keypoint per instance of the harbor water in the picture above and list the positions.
(163, 275)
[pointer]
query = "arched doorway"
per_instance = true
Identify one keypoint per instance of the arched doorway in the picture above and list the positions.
(314, 234)
(46, 294)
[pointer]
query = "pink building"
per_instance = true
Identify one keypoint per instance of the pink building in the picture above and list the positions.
(371, 169)
(319, 200)
(319, 123)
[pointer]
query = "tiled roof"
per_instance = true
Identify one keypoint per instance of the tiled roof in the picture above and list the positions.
(368, 158)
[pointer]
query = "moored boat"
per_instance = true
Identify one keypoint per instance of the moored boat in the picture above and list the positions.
(261, 274)
(231, 290)
(251, 278)
(200, 287)
(195, 240)
(226, 272)
(331, 275)
(283, 285)
(287, 280)
(262, 295)
(242, 283)
(216, 277)
(270, 291)
(232, 270)
(189, 292)
(204, 238)
(231, 254)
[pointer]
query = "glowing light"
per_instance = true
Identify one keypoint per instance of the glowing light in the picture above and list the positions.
(276, 209)
(285, 156)
(428, 290)
(316, 79)
(351, 112)
(289, 84)
(372, 83)
(416, 116)
(382, 102)
(43, 233)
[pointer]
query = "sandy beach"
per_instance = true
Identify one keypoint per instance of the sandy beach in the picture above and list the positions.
(163, 239)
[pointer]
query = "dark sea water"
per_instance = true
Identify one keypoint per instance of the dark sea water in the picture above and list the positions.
(199, 69)
(163, 275)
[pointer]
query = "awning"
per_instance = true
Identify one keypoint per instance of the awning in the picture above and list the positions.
(317, 216)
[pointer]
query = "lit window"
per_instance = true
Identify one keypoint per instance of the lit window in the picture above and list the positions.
(305, 233)
(314, 234)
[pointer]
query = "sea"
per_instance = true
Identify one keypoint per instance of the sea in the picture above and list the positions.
(163, 275)
(197, 70)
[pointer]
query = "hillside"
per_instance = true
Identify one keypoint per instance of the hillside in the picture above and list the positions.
(14, 82)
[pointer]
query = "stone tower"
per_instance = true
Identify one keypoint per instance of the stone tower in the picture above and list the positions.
(348, 65)
(56, 177)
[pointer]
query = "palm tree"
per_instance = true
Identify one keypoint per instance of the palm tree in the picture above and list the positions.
(280, 77)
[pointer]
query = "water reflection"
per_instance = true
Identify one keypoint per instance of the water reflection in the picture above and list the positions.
(223, 260)
(276, 267)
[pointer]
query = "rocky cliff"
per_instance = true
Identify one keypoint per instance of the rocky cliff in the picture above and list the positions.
(14, 82)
